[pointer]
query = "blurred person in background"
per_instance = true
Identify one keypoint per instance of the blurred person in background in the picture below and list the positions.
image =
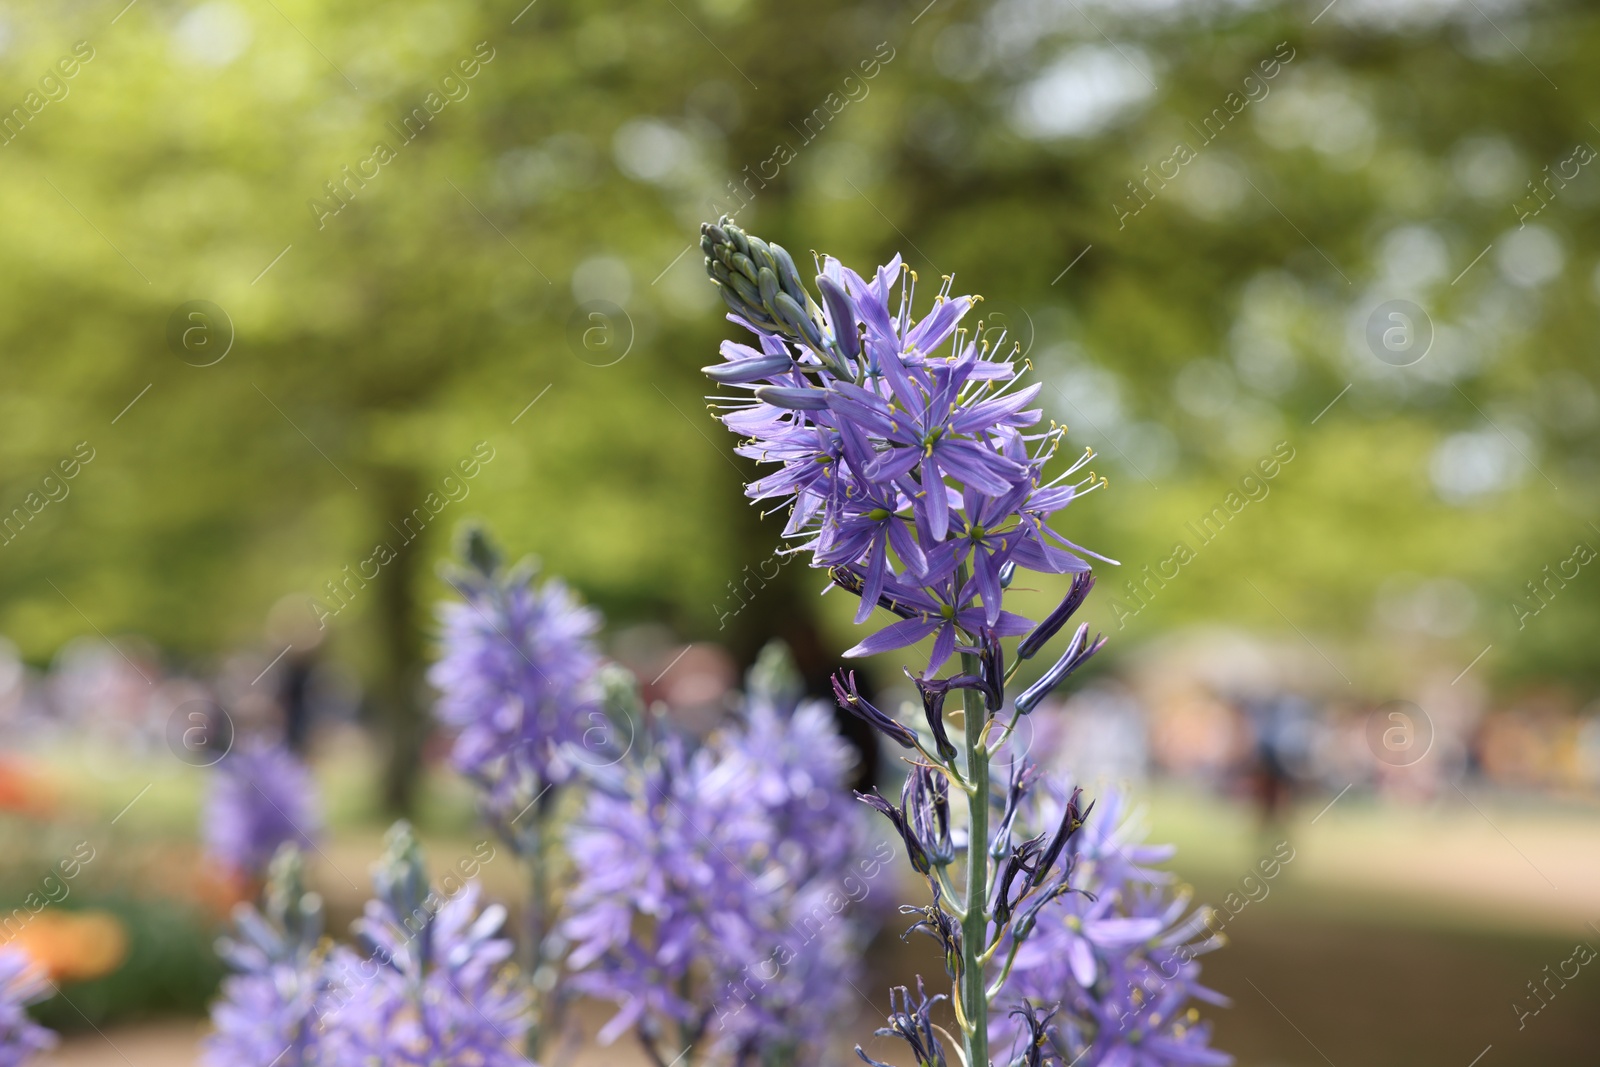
(1281, 731)
(293, 628)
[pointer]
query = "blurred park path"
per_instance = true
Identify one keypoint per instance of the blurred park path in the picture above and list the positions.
(176, 1044)
(1519, 870)
(164, 1044)
(1471, 859)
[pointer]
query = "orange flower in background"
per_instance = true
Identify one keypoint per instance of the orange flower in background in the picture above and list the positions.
(217, 891)
(23, 791)
(75, 945)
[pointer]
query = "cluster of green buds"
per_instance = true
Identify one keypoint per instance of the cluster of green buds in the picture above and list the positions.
(401, 881)
(479, 550)
(760, 283)
(288, 926)
(287, 903)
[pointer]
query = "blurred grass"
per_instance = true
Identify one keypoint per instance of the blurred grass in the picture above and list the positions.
(163, 796)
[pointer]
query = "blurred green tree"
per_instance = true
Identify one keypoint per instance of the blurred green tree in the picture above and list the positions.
(408, 212)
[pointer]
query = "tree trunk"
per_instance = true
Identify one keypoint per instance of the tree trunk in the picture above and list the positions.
(396, 686)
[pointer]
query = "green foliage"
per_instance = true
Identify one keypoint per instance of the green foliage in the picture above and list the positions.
(421, 318)
(171, 968)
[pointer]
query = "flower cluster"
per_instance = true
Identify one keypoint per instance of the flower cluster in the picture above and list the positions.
(522, 688)
(21, 983)
(910, 473)
(514, 677)
(270, 1006)
(712, 903)
(430, 984)
(1115, 958)
(915, 473)
(715, 888)
(261, 797)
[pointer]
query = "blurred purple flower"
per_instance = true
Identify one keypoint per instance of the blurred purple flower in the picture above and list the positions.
(21, 983)
(514, 677)
(261, 797)
(269, 1008)
(432, 984)
(266, 1018)
(714, 885)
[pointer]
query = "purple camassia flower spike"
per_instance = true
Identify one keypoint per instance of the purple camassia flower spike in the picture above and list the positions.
(910, 473)
(520, 685)
(261, 798)
(714, 883)
(431, 985)
(515, 678)
(21, 983)
(270, 1008)
(915, 473)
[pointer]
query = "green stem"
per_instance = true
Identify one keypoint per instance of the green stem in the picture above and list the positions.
(1005, 970)
(975, 926)
(534, 931)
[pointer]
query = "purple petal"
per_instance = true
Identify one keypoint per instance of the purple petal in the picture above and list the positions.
(895, 635)
(1185, 1052)
(906, 547)
(893, 464)
(1081, 959)
(977, 466)
(934, 330)
(1117, 933)
(944, 646)
(934, 501)
(992, 412)
(877, 570)
(987, 572)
